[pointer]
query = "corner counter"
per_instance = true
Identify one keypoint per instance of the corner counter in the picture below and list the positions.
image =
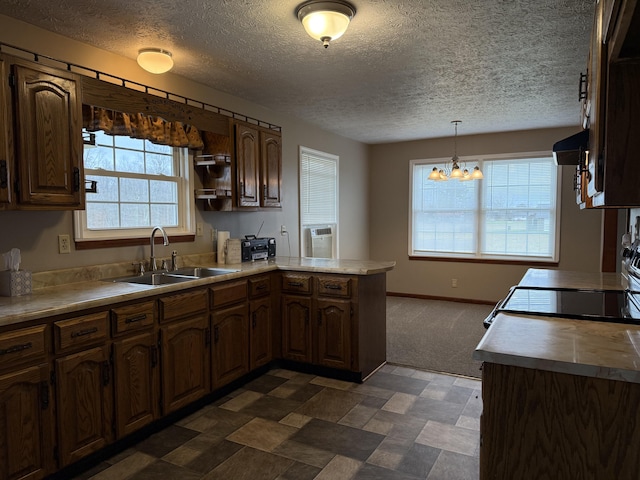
(560, 397)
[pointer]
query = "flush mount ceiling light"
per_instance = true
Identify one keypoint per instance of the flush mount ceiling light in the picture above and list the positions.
(452, 169)
(325, 21)
(155, 60)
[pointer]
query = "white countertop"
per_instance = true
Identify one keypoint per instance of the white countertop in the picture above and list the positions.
(83, 289)
(589, 348)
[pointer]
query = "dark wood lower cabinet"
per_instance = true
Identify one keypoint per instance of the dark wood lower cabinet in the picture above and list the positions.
(296, 328)
(185, 362)
(334, 333)
(85, 403)
(260, 337)
(230, 331)
(26, 424)
(136, 381)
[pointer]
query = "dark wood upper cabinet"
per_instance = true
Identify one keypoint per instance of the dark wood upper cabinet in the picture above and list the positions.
(271, 168)
(6, 137)
(48, 123)
(247, 153)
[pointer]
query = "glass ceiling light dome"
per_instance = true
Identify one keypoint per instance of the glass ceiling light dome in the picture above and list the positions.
(325, 20)
(155, 60)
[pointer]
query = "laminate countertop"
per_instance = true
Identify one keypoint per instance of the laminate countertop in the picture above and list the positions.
(69, 291)
(588, 348)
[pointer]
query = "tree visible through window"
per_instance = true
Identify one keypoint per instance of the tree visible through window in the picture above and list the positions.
(140, 185)
(511, 214)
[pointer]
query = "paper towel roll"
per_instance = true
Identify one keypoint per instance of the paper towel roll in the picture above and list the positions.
(222, 239)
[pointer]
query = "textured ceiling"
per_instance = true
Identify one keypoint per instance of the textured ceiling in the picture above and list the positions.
(403, 70)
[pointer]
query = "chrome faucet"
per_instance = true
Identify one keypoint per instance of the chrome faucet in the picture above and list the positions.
(152, 261)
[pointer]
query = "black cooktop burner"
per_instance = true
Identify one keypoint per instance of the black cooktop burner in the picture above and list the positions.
(600, 305)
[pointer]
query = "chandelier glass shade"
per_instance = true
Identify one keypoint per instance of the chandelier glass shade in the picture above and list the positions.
(325, 20)
(452, 170)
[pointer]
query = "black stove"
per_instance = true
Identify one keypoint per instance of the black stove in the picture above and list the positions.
(618, 306)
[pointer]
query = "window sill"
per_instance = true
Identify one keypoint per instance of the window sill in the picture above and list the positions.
(129, 242)
(490, 261)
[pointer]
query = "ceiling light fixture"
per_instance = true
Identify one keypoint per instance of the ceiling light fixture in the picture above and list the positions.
(155, 60)
(325, 21)
(452, 169)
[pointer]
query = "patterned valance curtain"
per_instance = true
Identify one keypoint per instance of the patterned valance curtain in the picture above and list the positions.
(138, 125)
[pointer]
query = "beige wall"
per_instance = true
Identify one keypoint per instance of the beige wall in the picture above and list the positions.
(35, 233)
(389, 216)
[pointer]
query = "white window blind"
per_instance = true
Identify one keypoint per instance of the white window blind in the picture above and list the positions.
(511, 214)
(318, 187)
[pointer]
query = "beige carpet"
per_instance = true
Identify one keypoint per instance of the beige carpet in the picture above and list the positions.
(435, 335)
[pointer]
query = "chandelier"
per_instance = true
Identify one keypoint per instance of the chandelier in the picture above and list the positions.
(452, 169)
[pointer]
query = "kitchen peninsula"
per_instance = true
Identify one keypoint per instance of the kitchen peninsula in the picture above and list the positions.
(88, 363)
(560, 395)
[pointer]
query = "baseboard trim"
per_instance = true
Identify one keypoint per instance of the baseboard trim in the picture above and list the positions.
(446, 299)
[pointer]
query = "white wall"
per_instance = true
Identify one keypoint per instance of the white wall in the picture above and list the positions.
(389, 216)
(35, 233)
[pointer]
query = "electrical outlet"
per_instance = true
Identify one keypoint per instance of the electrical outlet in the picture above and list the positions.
(64, 244)
(198, 229)
(454, 283)
(283, 230)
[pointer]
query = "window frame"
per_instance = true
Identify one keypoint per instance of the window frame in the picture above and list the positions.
(186, 211)
(302, 236)
(480, 257)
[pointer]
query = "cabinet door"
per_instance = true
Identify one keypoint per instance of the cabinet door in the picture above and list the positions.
(48, 121)
(185, 362)
(26, 424)
(247, 153)
(230, 344)
(6, 137)
(296, 330)
(271, 169)
(334, 333)
(136, 380)
(85, 403)
(260, 336)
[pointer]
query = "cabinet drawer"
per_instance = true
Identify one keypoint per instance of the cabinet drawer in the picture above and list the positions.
(23, 345)
(183, 305)
(295, 282)
(334, 286)
(132, 317)
(80, 331)
(228, 293)
(259, 286)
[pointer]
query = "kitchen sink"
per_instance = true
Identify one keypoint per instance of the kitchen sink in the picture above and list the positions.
(185, 274)
(156, 278)
(201, 272)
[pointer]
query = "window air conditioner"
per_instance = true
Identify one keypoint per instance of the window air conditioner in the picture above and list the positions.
(320, 242)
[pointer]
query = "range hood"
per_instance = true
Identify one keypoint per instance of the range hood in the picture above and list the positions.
(570, 150)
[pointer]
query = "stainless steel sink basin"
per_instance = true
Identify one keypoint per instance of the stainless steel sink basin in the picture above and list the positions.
(185, 274)
(201, 272)
(156, 278)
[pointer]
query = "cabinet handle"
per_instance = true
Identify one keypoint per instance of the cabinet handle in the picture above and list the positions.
(216, 334)
(582, 86)
(261, 286)
(4, 175)
(44, 395)
(16, 348)
(82, 333)
(207, 337)
(76, 179)
(106, 375)
(319, 318)
(332, 286)
(264, 191)
(135, 318)
(242, 189)
(295, 284)
(253, 320)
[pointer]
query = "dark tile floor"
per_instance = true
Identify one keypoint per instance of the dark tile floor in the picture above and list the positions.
(401, 424)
